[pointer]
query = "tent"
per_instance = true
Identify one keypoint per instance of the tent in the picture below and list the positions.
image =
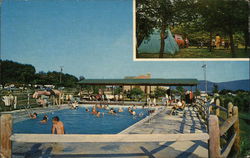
(153, 43)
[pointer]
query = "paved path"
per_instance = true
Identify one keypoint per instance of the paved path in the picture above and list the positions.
(186, 122)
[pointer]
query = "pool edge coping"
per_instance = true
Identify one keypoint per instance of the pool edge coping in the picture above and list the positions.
(128, 129)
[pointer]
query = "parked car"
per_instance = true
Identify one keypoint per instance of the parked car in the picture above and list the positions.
(179, 40)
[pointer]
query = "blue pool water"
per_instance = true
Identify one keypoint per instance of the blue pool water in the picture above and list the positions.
(80, 122)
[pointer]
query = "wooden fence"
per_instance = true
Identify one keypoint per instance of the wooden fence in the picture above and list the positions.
(218, 131)
(223, 127)
(6, 137)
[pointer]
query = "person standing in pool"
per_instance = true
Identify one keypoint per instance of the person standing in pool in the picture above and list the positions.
(33, 116)
(45, 119)
(57, 127)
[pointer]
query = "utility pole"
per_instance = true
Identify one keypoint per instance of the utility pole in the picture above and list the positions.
(204, 67)
(61, 70)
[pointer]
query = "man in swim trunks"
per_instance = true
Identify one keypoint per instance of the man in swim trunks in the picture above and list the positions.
(58, 127)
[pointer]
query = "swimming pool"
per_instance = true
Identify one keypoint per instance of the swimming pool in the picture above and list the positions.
(81, 122)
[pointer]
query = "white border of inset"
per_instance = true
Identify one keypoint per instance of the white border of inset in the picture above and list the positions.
(173, 59)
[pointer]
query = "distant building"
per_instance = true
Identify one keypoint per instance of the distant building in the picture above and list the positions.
(145, 89)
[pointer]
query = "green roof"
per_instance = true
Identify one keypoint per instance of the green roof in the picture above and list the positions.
(152, 82)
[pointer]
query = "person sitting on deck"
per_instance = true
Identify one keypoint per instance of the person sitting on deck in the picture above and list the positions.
(33, 116)
(180, 105)
(45, 119)
(57, 127)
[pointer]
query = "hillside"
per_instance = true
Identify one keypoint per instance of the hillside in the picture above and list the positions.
(230, 85)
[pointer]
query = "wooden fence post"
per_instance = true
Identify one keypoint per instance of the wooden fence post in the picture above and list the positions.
(6, 131)
(214, 137)
(236, 127)
(229, 109)
(59, 99)
(210, 109)
(217, 102)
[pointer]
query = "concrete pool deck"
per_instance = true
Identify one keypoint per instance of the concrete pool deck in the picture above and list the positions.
(161, 123)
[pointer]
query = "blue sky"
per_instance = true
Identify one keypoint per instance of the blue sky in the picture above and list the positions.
(92, 38)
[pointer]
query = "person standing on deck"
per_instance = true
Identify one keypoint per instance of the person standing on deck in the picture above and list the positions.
(57, 127)
(191, 97)
(217, 41)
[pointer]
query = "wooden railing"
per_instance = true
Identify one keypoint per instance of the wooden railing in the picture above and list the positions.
(227, 129)
(6, 137)
(223, 130)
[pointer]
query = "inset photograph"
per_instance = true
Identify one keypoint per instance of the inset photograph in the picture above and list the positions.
(191, 29)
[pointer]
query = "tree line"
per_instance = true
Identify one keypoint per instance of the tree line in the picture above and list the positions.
(24, 74)
(198, 17)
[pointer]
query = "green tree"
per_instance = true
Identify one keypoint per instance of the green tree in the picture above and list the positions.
(180, 89)
(13, 72)
(226, 16)
(197, 92)
(164, 15)
(136, 93)
(159, 92)
(145, 21)
(215, 88)
(81, 78)
(117, 91)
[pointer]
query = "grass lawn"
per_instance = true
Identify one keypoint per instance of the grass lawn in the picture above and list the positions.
(244, 134)
(199, 53)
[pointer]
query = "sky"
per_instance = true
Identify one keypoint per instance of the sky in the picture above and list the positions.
(91, 38)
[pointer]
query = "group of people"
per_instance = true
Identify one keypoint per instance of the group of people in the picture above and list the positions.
(112, 111)
(95, 112)
(179, 105)
(57, 127)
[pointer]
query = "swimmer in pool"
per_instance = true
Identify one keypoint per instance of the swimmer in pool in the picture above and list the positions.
(112, 111)
(94, 112)
(132, 112)
(87, 110)
(134, 107)
(45, 119)
(57, 127)
(141, 114)
(98, 114)
(120, 109)
(99, 106)
(33, 116)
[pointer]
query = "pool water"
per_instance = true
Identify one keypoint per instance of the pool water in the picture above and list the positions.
(81, 122)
